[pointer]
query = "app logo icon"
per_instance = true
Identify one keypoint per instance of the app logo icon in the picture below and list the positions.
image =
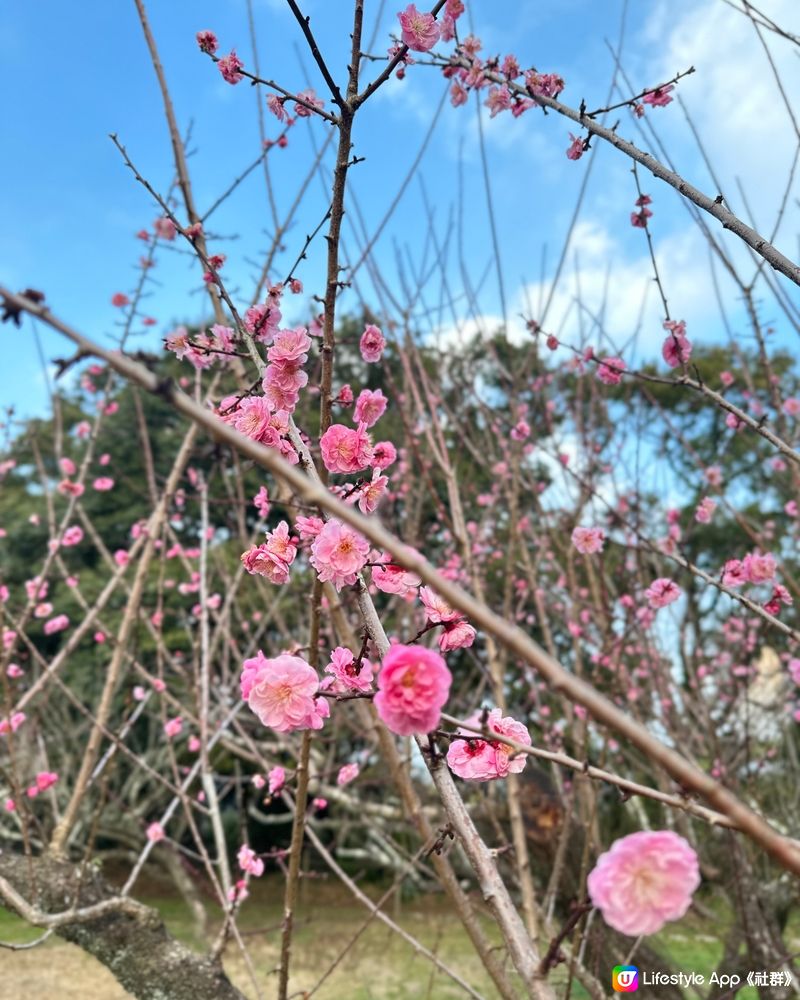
(625, 978)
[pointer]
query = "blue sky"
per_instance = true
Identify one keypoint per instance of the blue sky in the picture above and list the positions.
(70, 208)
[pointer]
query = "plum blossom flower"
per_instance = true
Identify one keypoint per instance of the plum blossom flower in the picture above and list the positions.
(207, 41)
(588, 541)
(230, 66)
(477, 759)
(272, 558)
(609, 370)
(345, 449)
(173, 727)
(758, 568)
(165, 228)
(643, 881)
(662, 592)
(347, 773)
(372, 344)
(282, 692)
(346, 675)
(261, 502)
(705, 510)
(659, 98)
(57, 624)
(370, 407)
(44, 780)
(309, 97)
(413, 686)
(276, 777)
(393, 579)
(155, 833)
(576, 148)
(12, 724)
(103, 484)
(338, 553)
(370, 494)
(419, 31)
(120, 299)
(249, 862)
(72, 536)
(384, 454)
(676, 349)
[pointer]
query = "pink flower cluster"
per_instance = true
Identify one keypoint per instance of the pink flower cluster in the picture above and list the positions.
(643, 881)
(662, 592)
(345, 449)
(249, 862)
(346, 675)
(478, 759)
(284, 376)
(272, 558)
(413, 687)
(588, 541)
(283, 692)
(44, 780)
(676, 349)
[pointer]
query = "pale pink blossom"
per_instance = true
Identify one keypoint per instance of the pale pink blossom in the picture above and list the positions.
(347, 773)
(393, 579)
(662, 592)
(44, 780)
(372, 344)
(643, 881)
(103, 484)
(72, 536)
(57, 624)
(676, 349)
(370, 407)
(282, 692)
(261, 502)
(477, 759)
(173, 727)
(384, 454)
(413, 686)
(259, 781)
(12, 724)
(249, 862)
(67, 466)
(419, 31)
(758, 568)
(705, 510)
(588, 541)
(155, 833)
(456, 635)
(338, 553)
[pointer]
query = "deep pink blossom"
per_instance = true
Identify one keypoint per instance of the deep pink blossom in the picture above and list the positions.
(659, 98)
(413, 686)
(207, 41)
(173, 727)
(261, 502)
(758, 568)
(705, 510)
(643, 881)
(276, 777)
(310, 98)
(72, 536)
(272, 558)
(576, 148)
(283, 692)
(676, 349)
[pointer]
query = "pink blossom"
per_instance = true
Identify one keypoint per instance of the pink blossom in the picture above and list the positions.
(413, 686)
(139, 693)
(676, 349)
(261, 502)
(122, 557)
(791, 406)
(155, 833)
(643, 881)
(57, 624)
(282, 692)
(393, 579)
(372, 344)
(456, 635)
(338, 553)
(758, 568)
(705, 510)
(318, 804)
(12, 724)
(309, 527)
(249, 862)
(436, 608)
(120, 299)
(662, 592)
(103, 484)
(272, 558)
(588, 541)
(477, 759)
(384, 454)
(259, 781)
(72, 536)
(576, 148)
(67, 466)
(165, 228)
(370, 407)
(347, 773)
(344, 449)
(309, 96)
(14, 670)
(173, 727)
(277, 778)
(207, 41)
(420, 32)
(713, 475)
(659, 98)
(726, 378)
(230, 67)
(609, 370)
(346, 676)
(370, 494)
